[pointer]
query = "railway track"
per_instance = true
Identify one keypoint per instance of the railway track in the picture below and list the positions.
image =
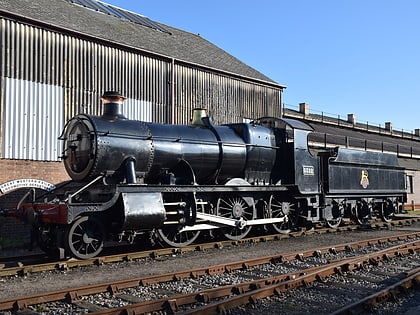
(29, 264)
(236, 286)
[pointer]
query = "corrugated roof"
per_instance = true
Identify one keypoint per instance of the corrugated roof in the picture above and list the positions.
(174, 43)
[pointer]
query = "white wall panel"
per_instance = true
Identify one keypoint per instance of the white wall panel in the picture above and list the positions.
(32, 121)
(137, 110)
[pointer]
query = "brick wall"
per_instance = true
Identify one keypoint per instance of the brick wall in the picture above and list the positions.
(52, 172)
(13, 231)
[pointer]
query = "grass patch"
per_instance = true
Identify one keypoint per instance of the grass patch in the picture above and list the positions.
(413, 212)
(7, 243)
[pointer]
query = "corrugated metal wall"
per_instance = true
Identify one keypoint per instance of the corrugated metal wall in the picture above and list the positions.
(32, 120)
(227, 99)
(76, 71)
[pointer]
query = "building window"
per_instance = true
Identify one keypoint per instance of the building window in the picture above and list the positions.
(409, 184)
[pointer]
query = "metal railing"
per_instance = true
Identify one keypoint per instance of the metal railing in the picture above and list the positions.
(336, 119)
(325, 140)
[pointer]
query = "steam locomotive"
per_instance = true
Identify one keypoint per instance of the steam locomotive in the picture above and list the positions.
(172, 182)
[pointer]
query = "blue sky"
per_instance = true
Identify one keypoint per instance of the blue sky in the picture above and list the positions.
(340, 56)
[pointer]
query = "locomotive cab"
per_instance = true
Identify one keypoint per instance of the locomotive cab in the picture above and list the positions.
(295, 166)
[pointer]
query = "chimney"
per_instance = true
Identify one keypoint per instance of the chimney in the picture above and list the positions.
(112, 101)
(351, 118)
(304, 108)
(388, 126)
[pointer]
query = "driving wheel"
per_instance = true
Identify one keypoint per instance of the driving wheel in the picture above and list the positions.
(85, 237)
(239, 208)
(286, 211)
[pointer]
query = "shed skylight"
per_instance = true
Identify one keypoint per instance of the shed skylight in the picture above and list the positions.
(120, 13)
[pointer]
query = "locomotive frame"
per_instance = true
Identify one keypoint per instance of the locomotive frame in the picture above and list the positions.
(171, 183)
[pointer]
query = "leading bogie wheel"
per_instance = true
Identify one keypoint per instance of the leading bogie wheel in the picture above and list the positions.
(181, 215)
(169, 235)
(46, 236)
(85, 237)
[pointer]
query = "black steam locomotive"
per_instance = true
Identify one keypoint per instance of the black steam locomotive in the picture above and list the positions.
(173, 182)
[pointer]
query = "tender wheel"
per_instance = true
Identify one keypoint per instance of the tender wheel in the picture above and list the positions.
(235, 207)
(387, 211)
(85, 237)
(171, 236)
(285, 210)
(333, 223)
(362, 213)
(334, 216)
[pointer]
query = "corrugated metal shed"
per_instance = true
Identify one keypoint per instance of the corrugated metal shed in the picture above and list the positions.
(175, 43)
(57, 66)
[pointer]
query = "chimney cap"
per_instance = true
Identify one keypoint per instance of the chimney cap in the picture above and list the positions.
(112, 101)
(113, 95)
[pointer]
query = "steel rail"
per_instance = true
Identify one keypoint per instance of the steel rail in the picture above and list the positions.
(411, 279)
(232, 296)
(23, 270)
(73, 294)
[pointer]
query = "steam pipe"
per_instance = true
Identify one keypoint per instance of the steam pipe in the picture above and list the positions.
(130, 171)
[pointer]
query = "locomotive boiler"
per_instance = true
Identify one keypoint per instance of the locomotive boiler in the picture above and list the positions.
(173, 182)
(132, 151)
